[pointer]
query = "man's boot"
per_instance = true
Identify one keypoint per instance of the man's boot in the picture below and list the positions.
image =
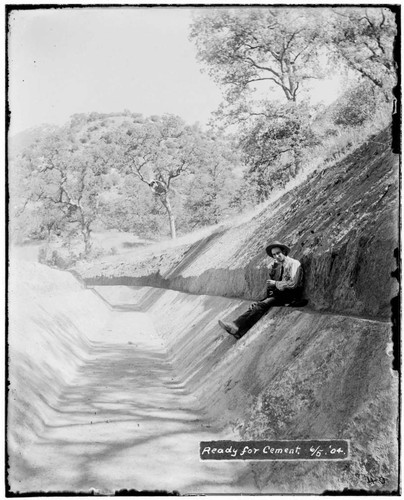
(230, 328)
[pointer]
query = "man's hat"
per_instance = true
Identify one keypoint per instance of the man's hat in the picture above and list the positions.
(285, 249)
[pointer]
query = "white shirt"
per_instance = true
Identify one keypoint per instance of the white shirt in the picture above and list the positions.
(292, 275)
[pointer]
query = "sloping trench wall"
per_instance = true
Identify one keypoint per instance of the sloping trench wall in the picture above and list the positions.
(51, 318)
(296, 375)
(342, 224)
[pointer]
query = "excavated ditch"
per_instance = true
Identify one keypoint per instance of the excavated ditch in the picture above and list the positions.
(114, 387)
(98, 403)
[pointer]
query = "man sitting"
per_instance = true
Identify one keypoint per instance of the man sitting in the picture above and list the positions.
(284, 287)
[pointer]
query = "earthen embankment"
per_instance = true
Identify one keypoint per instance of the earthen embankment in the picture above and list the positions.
(342, 224)
(295, 375)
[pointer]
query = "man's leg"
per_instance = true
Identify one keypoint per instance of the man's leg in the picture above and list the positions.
(244, 322)
(250, 317)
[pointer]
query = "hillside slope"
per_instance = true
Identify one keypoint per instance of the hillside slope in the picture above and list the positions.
(342, 224)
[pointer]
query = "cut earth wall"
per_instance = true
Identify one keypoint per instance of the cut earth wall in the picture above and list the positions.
(342, 224)
(296, 375)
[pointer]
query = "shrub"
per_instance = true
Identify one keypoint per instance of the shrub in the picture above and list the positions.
(62, 258)
(356, 106)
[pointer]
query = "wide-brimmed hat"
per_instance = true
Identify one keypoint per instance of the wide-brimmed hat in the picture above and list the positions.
(285, 249)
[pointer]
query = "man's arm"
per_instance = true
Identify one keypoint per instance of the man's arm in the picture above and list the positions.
(272, 269)
(293, 280)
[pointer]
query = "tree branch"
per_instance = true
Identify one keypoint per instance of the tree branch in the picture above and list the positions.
(178, 171)
(295, 91)
(368, 20)
(301, 52)
(361, 70)
(260, 79)
(383, 20)
(264, 68)
(291, 39)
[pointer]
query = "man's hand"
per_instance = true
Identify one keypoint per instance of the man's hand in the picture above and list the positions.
(270, 287)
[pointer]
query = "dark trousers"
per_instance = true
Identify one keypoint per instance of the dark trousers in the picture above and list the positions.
(257, 310)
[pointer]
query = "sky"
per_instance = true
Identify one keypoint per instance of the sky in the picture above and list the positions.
(77, 60)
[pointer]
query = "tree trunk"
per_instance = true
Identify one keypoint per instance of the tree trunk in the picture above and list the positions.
(297, 157)
(85, 231)
(167, 205)
(49, 232)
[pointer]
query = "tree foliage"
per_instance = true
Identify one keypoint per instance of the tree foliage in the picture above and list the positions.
(63, 182)
(125, 172)
(241, 47)
(212, 188)
(129, 207)
(273, 144)
(362, 38)
(161, 151)
(280, 46)
(251, 51)
(357, 105)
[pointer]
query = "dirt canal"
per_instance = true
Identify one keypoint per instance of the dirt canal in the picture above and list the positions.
(127, 422)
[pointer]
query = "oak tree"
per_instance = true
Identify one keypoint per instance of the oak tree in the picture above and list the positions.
(64, 182)
(159, 152)
(362, 38)
(246, 46)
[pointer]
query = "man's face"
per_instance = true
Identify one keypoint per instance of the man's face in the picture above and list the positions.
(277, 254)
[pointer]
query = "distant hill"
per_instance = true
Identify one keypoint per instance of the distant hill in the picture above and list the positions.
(86, 127)
(18, 142)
